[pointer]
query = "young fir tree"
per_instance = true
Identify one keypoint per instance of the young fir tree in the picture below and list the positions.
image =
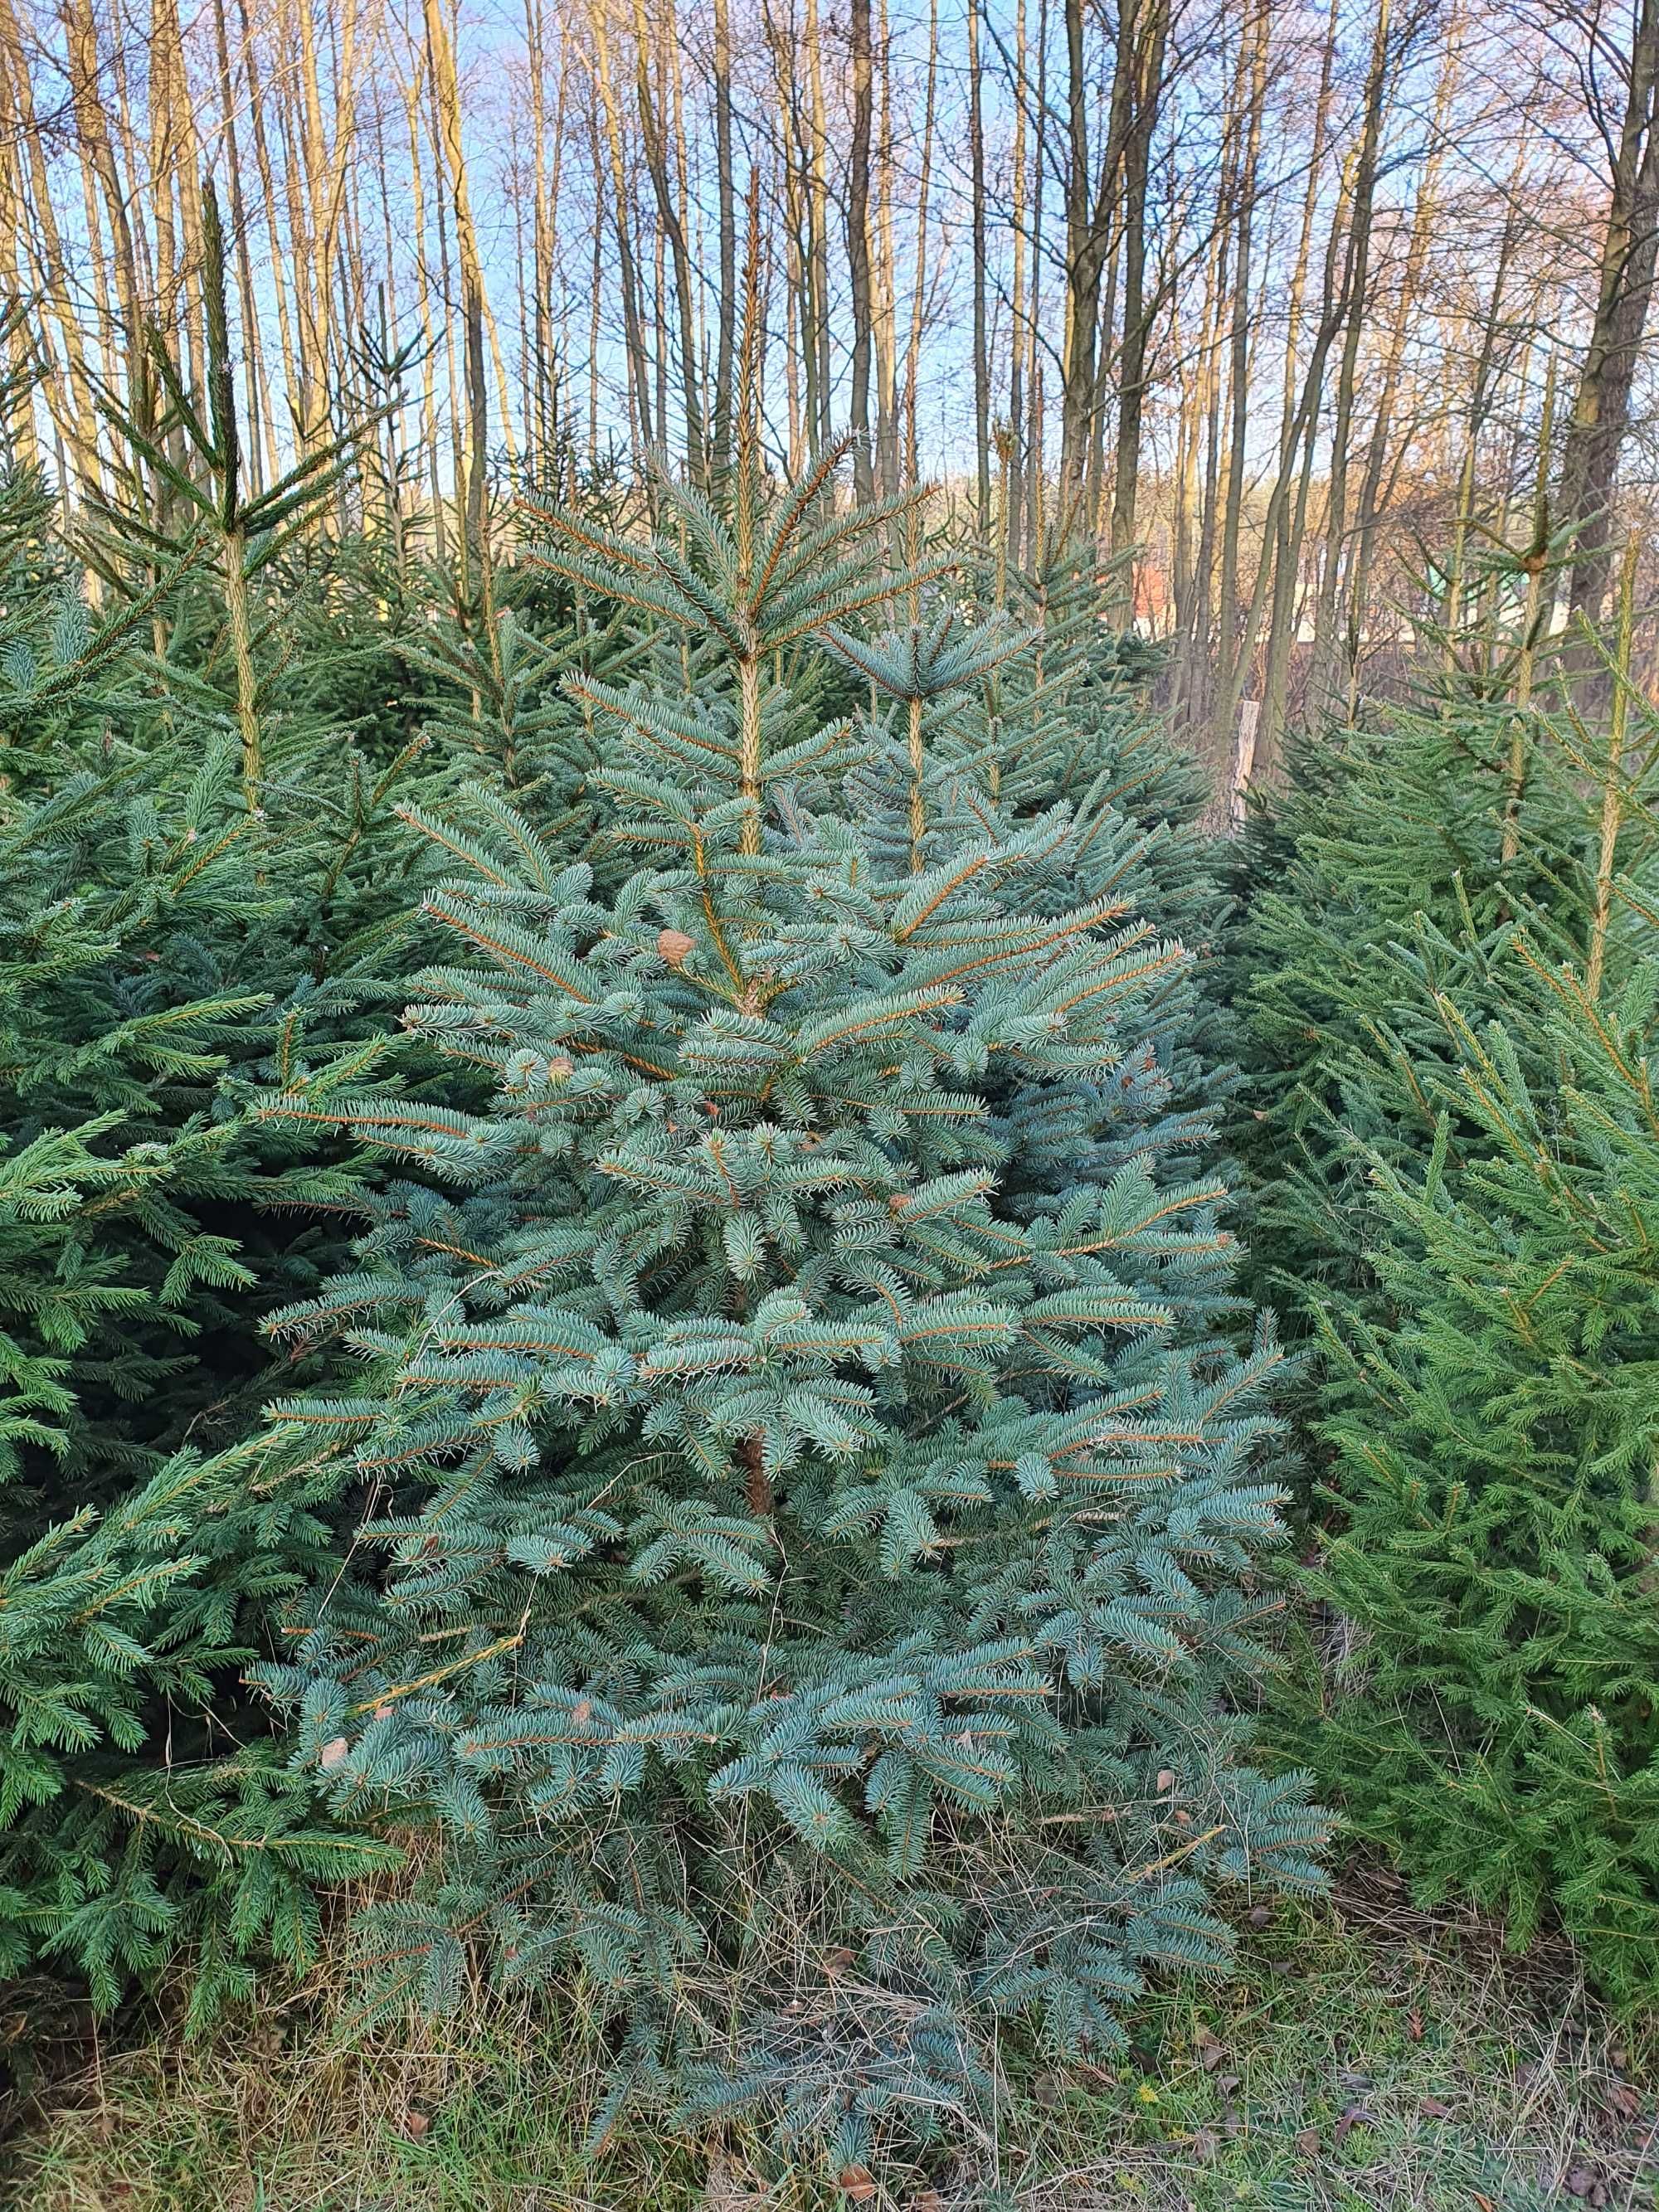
(165, 948)
(804, 1582)
(142, 1806)
(160, 953)
(1455, 976)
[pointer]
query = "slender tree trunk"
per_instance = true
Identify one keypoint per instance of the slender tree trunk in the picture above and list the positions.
(1035, 456)
(1337, 297)
(22, 447)
(411, 93)
(817, 223)
(1147, 59)
(1085, 255)
(1481, 394)
(478, 474)
(1111, 213)
(982, 345)
(1290, 530)
(1014, 498)
(1199, 682)
(858, 253)
(726, 342)
(446, 106)
(633, 319)
(799, 359)
(80, 429)
(293, 372)
(1614, 799)
(886, 279)
(1630, 252)
(919, 289)
(1367, 512)
(656, 154)
(1253, 59)
(541, 420)
(262, 452)
(1322, 687)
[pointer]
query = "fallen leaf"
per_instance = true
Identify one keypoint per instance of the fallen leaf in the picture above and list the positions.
(1261, 1916)
(1307, 2143)
(1432, 2109)
(856, 2182)
(1047, 2090)
(838, 1961)
(1353, 2116)
(416, 2124)
(1205, 2145)
(1414, 2026)
(1228, 2082)
(333, 1752)
(1623, 2099)
(1210, 2049)
(1582, 2179)
(929, 2201)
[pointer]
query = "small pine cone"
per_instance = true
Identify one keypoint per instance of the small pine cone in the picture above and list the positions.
(673, 944)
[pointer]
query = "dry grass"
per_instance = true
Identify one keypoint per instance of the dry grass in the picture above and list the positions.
(1366, 2055)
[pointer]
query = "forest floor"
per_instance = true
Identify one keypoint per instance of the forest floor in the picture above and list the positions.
(1365, 2055)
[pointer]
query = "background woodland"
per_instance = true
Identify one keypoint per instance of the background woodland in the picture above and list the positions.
(1296, 302)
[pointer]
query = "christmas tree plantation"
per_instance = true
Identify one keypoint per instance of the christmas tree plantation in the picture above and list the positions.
(807, 1554)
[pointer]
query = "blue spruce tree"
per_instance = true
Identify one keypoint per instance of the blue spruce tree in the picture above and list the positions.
(807, 1557)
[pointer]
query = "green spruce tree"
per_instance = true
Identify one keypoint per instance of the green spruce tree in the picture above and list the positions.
(1452, 979)
(202, 893)
(144, 1806)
